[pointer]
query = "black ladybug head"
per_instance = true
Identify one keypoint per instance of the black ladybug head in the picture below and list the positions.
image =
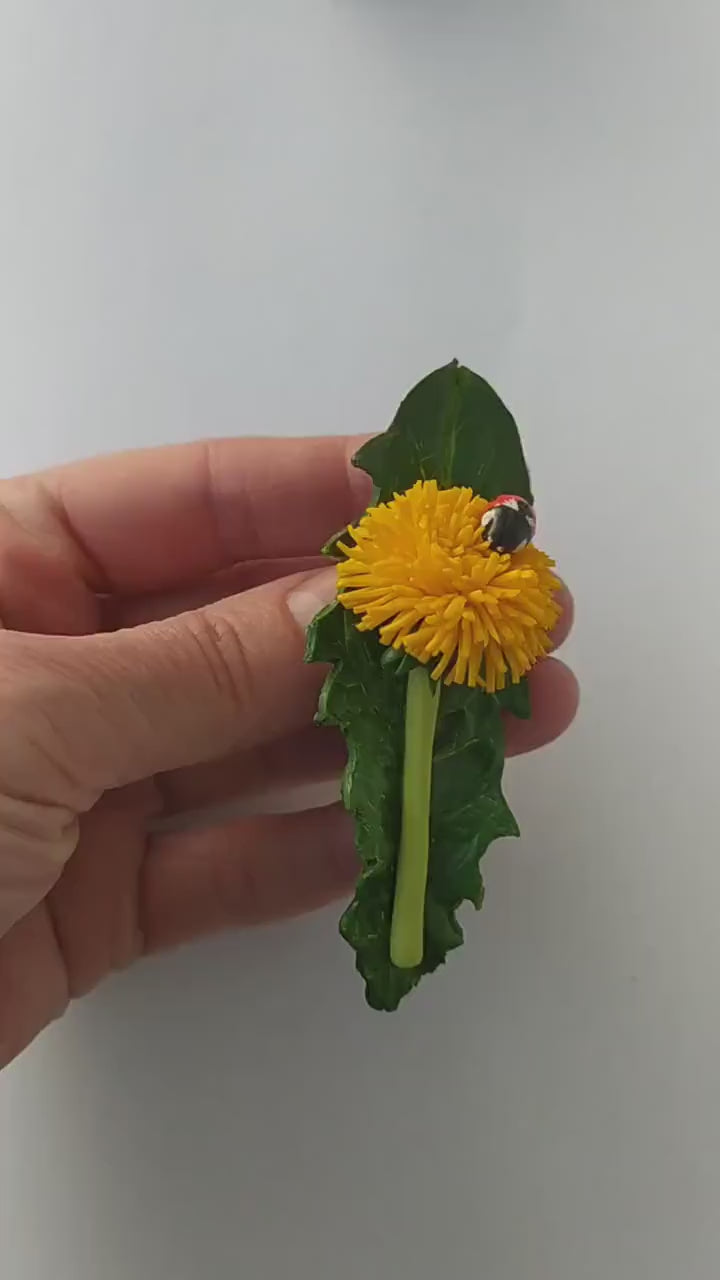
(508, 524)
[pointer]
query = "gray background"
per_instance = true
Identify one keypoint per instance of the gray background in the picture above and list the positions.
(223, 217)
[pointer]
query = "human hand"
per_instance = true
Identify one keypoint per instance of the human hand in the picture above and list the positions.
(153, 606)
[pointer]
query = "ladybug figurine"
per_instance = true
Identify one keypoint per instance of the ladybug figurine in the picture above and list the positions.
(508, 524)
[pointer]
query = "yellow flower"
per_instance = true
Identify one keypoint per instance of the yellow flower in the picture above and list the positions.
(419, 571)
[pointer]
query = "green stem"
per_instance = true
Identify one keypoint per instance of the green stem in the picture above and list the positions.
(407, 933)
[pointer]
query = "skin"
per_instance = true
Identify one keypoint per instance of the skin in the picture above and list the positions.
(152, 607)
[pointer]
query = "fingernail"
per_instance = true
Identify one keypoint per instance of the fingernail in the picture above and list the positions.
(312, 595)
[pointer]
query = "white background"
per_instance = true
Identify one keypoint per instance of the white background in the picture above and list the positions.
(219, 216)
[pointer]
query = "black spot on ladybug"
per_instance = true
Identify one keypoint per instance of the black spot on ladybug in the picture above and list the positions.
(509, 525)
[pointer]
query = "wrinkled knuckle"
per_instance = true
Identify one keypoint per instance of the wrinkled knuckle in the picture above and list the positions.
(225, 656)
(36, 710)
(19, 671)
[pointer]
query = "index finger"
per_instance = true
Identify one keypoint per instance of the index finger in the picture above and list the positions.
(155, 519)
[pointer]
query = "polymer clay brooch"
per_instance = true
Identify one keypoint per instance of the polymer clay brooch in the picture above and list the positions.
(444, 604)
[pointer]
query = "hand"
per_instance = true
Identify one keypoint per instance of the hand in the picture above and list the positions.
(153, 606)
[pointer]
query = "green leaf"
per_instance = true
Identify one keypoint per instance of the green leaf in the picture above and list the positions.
(515, 698)
(362, 698)
(453, 428)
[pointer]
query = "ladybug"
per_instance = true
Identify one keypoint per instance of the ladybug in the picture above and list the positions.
(508, 524)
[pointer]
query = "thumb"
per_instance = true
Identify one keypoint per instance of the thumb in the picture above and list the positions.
(186, 689)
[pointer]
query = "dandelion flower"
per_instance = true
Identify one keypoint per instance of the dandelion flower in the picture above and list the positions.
(420, 572)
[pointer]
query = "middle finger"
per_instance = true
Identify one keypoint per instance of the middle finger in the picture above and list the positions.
(317, 755)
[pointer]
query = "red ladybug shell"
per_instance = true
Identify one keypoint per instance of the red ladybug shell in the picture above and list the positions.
(504, 499)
